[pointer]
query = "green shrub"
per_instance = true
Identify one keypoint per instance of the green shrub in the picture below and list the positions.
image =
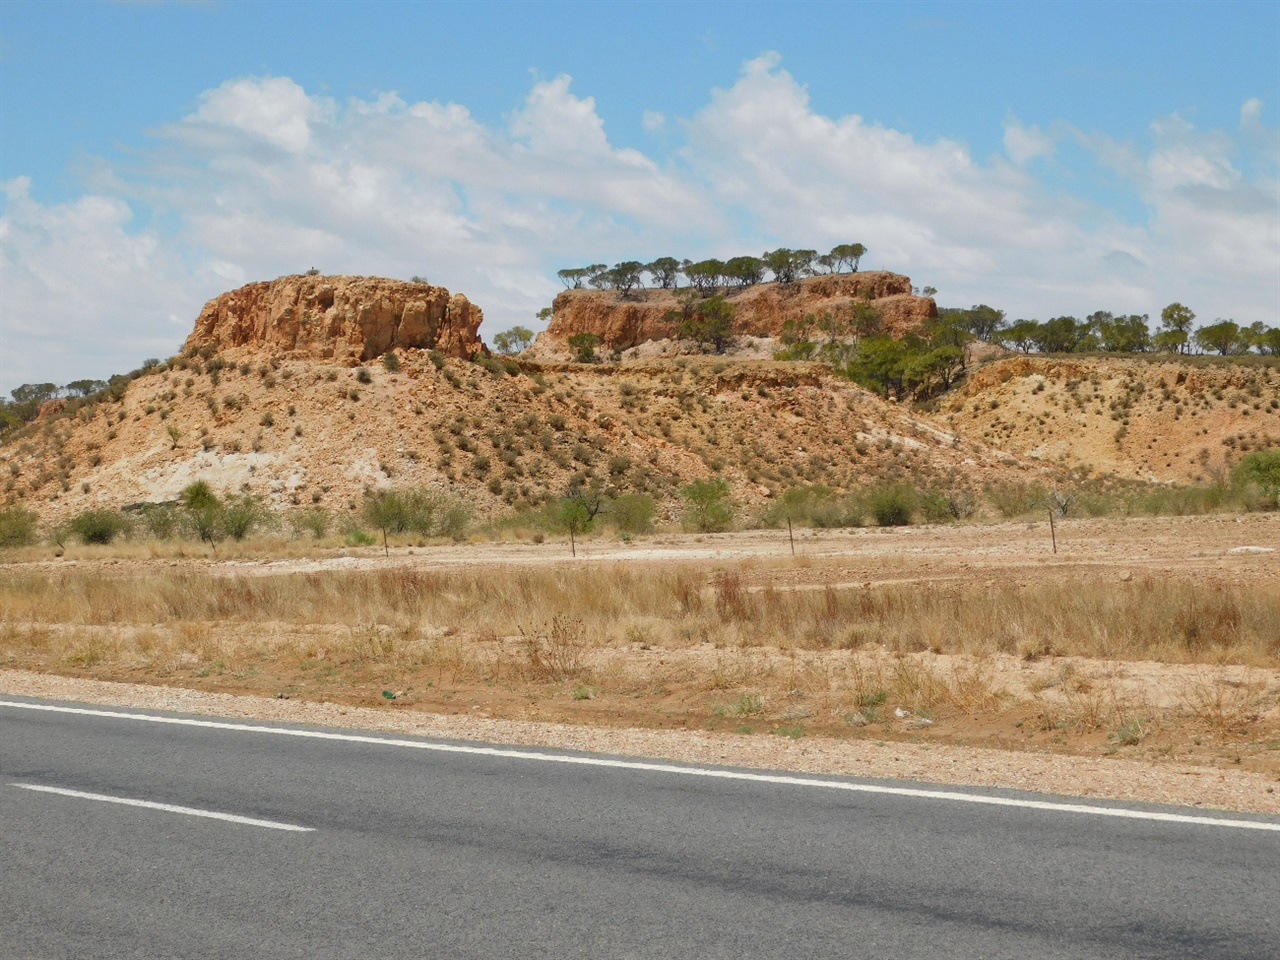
(391, 362)
(363, 375)
(424, 512)
(708, 508)
(98, 525)
(891, 506)
(312, 520)
(1260, 468)
(18, 527)
(204, 510)
(1016, 499)
(813, 506)
(633, 513)
(240, 516)
(161, 520)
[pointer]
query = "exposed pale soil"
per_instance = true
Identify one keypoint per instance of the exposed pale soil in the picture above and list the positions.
(1155, 419)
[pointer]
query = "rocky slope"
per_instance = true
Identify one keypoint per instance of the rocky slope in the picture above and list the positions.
(760, 310)
(301, 432)
(1157, 418)
(343, 319)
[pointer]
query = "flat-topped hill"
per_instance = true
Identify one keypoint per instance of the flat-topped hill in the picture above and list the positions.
(353, 319)
(624, 321)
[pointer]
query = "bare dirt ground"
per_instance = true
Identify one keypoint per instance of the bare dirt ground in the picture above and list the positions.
(1194, 726)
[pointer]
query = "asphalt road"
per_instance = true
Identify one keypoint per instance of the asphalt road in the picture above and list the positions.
(410, 852)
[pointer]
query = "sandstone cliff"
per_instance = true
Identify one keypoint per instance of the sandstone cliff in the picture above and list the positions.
(760, 310)
(346, 319)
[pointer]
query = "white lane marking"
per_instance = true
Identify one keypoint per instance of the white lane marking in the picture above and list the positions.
(166, 807)
(956, 796)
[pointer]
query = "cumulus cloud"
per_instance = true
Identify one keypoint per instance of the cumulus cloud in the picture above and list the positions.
(1023, 143)
(264, 178)
(80, 284)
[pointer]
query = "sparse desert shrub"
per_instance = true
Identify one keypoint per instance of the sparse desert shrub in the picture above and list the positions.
(890, 506)
(557, 651)
(1260, 468)
(98, 525)
(391, 362)
(633, 513)
(18, 526)
(1015, 499)
(240, 516)
(424, 512)
(363, 375)
(312, 520)
(160, 520)
(707, 505)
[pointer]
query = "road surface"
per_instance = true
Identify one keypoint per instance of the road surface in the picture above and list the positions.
(135, 834)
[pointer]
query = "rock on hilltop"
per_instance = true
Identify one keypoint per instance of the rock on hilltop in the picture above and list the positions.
(343, 319)
(759, 310)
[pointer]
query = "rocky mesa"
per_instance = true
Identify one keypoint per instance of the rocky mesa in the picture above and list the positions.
(339, 318)
(624, 321)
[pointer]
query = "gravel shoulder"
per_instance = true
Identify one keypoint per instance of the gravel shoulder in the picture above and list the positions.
(1073, 776)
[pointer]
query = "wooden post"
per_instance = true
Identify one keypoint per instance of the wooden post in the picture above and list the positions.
(573, 547)
(1053, 533)
(791, 536)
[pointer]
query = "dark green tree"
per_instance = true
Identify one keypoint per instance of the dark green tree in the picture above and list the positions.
(1175, 328)
(1129, 334)
(709, 323)
(744, 271)
(584, 346)
(1222, 338)
(512, 341)
(705, 275)
(665, 272)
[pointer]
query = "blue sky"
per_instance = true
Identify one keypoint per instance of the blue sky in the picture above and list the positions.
(1046, 158)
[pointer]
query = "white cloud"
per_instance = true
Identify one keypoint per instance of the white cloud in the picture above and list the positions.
(1023, 143)
(80, 288)
(263, 178)
(275, 109)
(653, 120)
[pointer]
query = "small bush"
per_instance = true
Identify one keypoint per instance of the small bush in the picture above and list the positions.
(391, 362)
(633, 513)
(161, 520)
(98, 525)
(240, 516)
(891, 506)
(708, 507)
(313, 520)
(17, 527)
(363, 375)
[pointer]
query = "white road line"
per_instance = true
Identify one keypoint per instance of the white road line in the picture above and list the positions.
(166, 807)
(651, 767)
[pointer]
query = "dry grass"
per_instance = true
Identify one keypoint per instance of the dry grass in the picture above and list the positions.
(678, 645)
(1165, 619)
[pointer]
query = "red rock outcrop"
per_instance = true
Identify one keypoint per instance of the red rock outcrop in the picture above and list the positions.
(760, 310)
(352, 319)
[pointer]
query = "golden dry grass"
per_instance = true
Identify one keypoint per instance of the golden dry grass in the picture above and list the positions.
(658, 644)
(1167, 618)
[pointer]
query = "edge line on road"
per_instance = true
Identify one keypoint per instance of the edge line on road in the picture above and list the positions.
(655, 767)
(166, 807)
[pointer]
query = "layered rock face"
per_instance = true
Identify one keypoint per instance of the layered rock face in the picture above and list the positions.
(351, 319)
(759, 310)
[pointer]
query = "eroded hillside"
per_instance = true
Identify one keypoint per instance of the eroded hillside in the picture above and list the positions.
(300, 432)
(1160, 418)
